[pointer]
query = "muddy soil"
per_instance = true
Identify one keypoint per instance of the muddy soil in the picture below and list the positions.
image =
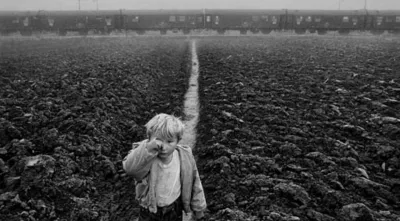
(300, 128)
(290, 128)
(70, 109)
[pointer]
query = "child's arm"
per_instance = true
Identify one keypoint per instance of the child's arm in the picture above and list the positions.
(198, 202)
(138, 162)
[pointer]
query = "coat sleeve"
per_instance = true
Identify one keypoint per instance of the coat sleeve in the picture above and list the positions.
(138, 161)
(198, 202)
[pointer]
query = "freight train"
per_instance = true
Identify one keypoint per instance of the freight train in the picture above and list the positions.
(255, 21)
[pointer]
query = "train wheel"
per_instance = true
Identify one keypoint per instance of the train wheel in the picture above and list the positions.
(4, 33)
(26, 32)
(300, 31)
(266, 31)
(255, 31)
(163, 32)
(377, 32)
(62, 32)
(243, 31)
(140, 32)
(83, 32)
(312, 31)
(186, 31)
(106, 32)
(344, 32)
(322, 32)
(221, 31)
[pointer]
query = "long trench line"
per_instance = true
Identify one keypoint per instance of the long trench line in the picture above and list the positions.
(191, 103)
(191, 107)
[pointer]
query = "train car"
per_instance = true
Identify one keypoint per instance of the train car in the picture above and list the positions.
(245, 20)
(37, 21)
(104, 21)
(322, 21)
(42, 21)
(381, 21)
(257, 20)
(163, 20)
(66, 21)
(79, 21)
(16, 21)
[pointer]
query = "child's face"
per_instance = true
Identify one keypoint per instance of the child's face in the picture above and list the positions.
(168, 146)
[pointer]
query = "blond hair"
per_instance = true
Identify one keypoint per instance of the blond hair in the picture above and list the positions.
(165, 126)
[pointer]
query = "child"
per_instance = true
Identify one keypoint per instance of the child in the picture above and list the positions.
(167, 180)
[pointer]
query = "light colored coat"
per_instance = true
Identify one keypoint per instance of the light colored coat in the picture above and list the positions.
(140, 164)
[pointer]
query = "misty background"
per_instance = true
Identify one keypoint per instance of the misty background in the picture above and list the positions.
(193, 4)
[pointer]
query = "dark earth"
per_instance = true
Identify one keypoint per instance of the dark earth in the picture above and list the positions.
(291, 128)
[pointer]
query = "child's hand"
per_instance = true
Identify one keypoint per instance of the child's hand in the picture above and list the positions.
(199, 216)
(154, 145)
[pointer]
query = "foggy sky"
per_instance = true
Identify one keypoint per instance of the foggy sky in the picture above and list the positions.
(196, 4)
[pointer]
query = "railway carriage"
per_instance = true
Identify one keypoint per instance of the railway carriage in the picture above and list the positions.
(16, 21)
(322, 21)
(381, 21)
(245, 20)
(84, 21)
(163, 20)
(257, 20)
(38, 22)
(65, 21)
(60, 21)
(104, 22)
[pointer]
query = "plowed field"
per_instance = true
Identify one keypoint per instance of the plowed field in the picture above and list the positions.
(70, 109)
(300, 128)
(291, 128)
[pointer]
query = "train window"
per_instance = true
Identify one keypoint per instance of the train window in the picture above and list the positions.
(354, 20)
(397, 18)
(208, 18)
(26, 21)
(309, 19)
(265, 18)
(50, 21)
(99, 18)
(217, 20)
(182, 18)
(200, 19)
(108, 21)
(255, 18)
(299, 19)
(345, 18)
(172, 18)
(274, 20)
(15, 21)
(191, 20)
(379, 20)
(317, 19)
(135, 19)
